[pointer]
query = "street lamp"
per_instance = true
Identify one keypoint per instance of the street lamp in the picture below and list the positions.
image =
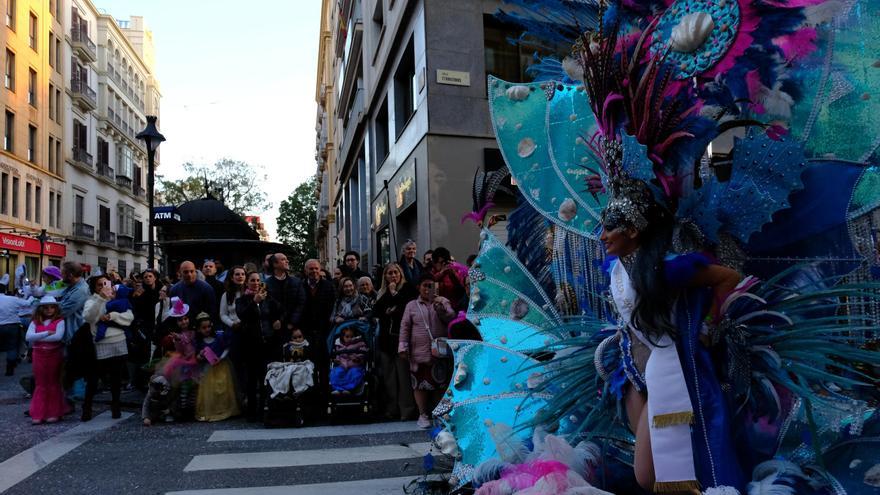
(152, 138)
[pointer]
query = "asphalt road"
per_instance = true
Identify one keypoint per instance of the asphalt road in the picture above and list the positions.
(124, 457)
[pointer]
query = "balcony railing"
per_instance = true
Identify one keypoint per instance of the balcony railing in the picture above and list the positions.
(84, 45)
(83, 157)
(140, 246)
(139, 191)
(123, 181)
(82, 92)
(84, 231)
(125, 241)
(106, 237)
(104, 170)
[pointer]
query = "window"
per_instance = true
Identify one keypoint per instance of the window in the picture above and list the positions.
(4, 194)
(9, 131)
(405, 88)
(16, 182)
(33, 31)
(58, 161)
(137, 267)
(32, 87)
(381, 130)
(80, 133)
(378, 24)
(51, 160)
(102, 263)
(10, 71)
(58, 65)
(51, 49)
(58, 210)
(10, 14)
(503, 59)
(79, 209)
(123, 267)
(38, 204)
(32, 144)
(52, 209)
(58, 105)
(125, 227)
(28, 201)
(52, 102)
(138, 232)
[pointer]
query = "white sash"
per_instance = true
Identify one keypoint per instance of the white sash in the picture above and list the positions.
(670, 411)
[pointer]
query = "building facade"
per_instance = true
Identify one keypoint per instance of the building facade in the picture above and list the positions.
(410, 122)
(32, 176)
(109, 92)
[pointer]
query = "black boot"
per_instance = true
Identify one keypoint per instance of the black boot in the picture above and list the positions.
(86, 411)
(10, 368)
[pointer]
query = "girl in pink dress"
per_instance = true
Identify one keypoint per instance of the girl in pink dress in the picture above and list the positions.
(44, 334)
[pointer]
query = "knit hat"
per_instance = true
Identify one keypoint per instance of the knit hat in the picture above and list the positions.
(178, 308)
(52, 271)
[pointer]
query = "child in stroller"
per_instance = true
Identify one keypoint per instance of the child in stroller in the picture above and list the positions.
(288, 382)
(349, 352)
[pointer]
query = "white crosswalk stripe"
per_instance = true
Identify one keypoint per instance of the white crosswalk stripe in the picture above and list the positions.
(393, 447)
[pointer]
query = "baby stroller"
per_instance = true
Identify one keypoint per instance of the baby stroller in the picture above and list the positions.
(362, 397)
(289, 386)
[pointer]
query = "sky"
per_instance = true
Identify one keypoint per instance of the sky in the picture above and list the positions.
(237, 81)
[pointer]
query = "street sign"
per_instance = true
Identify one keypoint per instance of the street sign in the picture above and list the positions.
(453, 77)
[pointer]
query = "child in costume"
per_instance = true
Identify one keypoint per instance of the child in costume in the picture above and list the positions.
(349, 351)
(181, 368)
(45, 333)
(216, 399)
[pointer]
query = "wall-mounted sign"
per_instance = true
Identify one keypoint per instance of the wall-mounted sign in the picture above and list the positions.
(165, 214)
(403, 187)
(14, 242)
(453, 77)
(380, 212)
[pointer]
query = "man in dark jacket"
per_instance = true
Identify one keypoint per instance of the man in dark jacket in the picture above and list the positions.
(197, 294)
(288, 291)
(209, 270)
(351, 267)
(315, 322)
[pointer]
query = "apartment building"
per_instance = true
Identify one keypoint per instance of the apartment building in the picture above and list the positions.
(109, 92)
(403, 122)
(32, 176)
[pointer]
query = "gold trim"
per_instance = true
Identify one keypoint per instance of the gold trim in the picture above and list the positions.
(673, 419)
(687, 486)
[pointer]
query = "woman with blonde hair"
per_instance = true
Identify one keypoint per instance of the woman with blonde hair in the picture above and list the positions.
(394, 294)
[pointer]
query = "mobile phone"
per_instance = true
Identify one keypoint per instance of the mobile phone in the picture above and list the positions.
(432, 293)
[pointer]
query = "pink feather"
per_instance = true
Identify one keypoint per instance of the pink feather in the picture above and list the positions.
(798, 44)
(753, 83)
(478, 216)
(524, 476)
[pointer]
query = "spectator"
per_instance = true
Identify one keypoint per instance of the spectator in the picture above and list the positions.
(394, 295)
(365, 288)
(209, 270)
(111, 350)
(450, 277)
(73, 297)
(233, 290)
(315, 322)
(45, 333)
(428, 259)
(337, 276)
(258, 312)
(195, 293)
(349, 304)
(10, 329)
(470, 261)
(412, 268)
(288, 291)
(143, 301)
(351, 267)
(425, 319)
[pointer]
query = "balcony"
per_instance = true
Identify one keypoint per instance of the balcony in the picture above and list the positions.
(125, 241)
(140, 246)
(83, 46)
(123, 181)
(84, 231)
(139, 191)
(83, 94)
(105, 172)
(82, 158)
(107, 237)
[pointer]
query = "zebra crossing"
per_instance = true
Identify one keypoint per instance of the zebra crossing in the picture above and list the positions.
(373, 459)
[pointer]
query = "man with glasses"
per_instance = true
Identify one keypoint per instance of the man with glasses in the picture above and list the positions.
(351, 268)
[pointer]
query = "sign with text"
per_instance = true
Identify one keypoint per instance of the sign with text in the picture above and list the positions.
(403, 187)
(380, 212)
(453, 77)
(165, 214)
(14, 242)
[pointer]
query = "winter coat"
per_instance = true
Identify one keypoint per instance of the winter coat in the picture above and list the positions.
(350, 355)
(389, 322)
(415, 337)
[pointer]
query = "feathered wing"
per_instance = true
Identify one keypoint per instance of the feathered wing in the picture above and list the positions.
(543, 131)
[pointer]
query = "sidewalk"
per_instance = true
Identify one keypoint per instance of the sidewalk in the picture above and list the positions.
(17, 432)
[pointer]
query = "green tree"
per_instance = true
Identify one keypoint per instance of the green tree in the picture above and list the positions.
(235, 183)
(296, 223)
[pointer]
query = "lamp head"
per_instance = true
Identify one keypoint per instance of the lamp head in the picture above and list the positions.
(151, 136)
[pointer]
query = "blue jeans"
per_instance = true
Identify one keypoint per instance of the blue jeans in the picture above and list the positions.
(9, 341)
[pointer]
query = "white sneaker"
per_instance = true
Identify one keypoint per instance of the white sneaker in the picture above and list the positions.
(424, 422)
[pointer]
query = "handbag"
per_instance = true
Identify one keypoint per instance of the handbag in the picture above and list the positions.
(439, 345)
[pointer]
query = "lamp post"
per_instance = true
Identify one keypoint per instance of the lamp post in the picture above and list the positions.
(152, 138)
